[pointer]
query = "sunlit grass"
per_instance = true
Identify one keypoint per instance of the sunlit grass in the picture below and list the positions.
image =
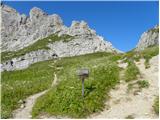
(17, 85)
(66, 98)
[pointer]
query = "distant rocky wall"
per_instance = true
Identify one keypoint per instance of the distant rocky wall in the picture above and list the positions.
(58, 49)
(148, 38)
(26, 60)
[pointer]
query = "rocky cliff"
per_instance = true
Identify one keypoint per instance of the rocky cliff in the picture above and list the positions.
(20, 31)
(148, 38)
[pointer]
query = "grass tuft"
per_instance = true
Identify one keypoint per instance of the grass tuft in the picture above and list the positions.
(130, 117)
(156, 105)
(143, 84)
(131, 72)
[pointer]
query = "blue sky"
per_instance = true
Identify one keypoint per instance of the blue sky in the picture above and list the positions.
(121, 23)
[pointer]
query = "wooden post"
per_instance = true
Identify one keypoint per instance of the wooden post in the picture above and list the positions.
(82, 87)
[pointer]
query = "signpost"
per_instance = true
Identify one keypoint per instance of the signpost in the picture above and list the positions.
(83, 73)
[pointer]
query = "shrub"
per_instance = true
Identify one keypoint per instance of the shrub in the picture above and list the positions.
(131, 72)
(146, 63)
(130, 117)
(151, 51)
(143, 84)
(156, 105)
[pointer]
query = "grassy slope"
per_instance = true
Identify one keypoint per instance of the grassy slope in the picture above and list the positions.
(20, 84)
(132, 71)
(147, 54)
(40, 44)
(66, 98)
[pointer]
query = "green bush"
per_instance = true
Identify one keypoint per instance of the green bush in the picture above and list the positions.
(150, 52)
(146, 63)
(156, 105)
(143, 84)
(130, 117)
(131, 72)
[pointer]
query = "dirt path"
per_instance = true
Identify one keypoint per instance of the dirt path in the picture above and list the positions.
(29, 103)
(123, 104)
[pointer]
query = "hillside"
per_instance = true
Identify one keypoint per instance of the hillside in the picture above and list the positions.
(39, 77)
(104, 75)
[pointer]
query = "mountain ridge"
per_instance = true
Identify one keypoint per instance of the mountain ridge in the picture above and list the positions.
(29, 29)
(21, 32)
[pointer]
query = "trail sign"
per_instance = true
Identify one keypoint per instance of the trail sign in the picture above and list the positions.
(83, 73)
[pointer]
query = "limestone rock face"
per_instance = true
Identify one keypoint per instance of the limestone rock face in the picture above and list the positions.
(149, 38)
(20, 31)
(80, 46)
(24, 61)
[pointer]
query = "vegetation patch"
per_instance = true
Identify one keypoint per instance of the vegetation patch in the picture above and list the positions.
(131, 72)
(147, 54)
(40, 44)
(146, 63)
(156, 105)
(18, 85)
(143, 84)
(138, 85)
(66, 98)
(154, 30)
(130, 117)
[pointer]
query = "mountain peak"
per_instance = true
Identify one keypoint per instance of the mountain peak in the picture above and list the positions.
(7, 8)
(36, 13)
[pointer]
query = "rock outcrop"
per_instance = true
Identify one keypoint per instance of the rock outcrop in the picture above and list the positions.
(149, 38)
(21, 31)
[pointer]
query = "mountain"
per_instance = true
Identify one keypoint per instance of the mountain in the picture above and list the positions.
(20, 33)
(148, 38)
(117, 84)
